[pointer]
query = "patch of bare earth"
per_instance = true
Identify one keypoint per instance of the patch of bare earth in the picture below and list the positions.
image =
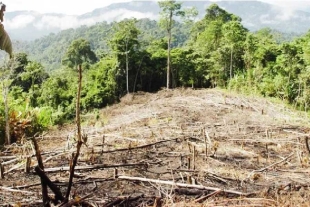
(179, 147)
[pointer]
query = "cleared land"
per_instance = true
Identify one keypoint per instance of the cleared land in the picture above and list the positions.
(182, 147)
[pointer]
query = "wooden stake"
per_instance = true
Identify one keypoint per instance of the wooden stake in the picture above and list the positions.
(1, 171)
(194, 157)
(206, 145)
(115, 173)
(27, 165)
(103, 141)
(189, 179)
(267, 151)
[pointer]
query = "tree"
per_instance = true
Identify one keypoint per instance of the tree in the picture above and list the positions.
(57, 92)
(170, 9)
(33, 76)
(234, 36)
(157, 63)
(124, 42)
(211, 43)
(21, 60)
(214, 12)
(100, 86)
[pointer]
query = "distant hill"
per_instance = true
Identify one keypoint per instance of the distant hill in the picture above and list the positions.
(29, 25)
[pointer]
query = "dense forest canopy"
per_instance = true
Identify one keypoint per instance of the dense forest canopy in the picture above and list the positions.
(131, 55)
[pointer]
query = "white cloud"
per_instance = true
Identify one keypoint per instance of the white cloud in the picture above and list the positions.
(291, 5)
(48, 21)
(65, 22)
(266, 19)
(20, 21)
(58, 6)
(80, 7)
(123, 13)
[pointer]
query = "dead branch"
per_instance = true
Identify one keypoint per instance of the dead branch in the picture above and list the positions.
(73, 163)
(294, 132)
(76, 201)
(53, 156)
(94, 167)
(269, 166)
(26, 186)
(139, 147)
(183, 185)
(9, 162)
(20, 204)
(13, 168)
(307, 144)
(48, 182)
(182, 170)
(41, 166)
(190, 192)
(58, 183)
(75, 156)
(199, 200)
(121, 200)
(21, 164)
(4, 189)
(7, 157)
(274, 164)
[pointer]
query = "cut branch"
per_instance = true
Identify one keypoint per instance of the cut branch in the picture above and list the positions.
(5, 189)
(79, 133)
(183, 185)
(41, 166)
(49, 183)
(139, 147)
(93, 167)
(76, 201)
(274, 164)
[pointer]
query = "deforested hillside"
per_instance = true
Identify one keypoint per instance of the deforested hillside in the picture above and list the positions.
(179, 147)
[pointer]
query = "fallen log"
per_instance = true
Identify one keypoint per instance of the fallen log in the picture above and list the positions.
(10, 161)
(183, 185)
(5, 189)
(7, 157)
(22, 204)
(49, 183)
(139, 147)
(94, 167)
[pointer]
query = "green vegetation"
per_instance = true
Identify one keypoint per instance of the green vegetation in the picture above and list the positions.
(131, 55)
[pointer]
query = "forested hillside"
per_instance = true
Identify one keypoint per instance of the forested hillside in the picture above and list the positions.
(131, 56)
(50, 49)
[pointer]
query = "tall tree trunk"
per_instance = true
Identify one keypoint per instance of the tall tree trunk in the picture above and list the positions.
(127, 68)
(79, 134)
(231, 62)
(169, 50)
(78, 97)
(6, 111)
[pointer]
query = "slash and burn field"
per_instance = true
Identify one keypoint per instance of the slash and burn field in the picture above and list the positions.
(178, 147)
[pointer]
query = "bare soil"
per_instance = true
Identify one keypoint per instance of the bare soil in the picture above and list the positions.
(251, 150)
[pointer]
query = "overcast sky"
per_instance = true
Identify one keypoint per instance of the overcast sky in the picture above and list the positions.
(58, 6)
(81, 7)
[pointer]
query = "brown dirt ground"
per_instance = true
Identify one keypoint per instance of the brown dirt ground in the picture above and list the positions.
(254, 145)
